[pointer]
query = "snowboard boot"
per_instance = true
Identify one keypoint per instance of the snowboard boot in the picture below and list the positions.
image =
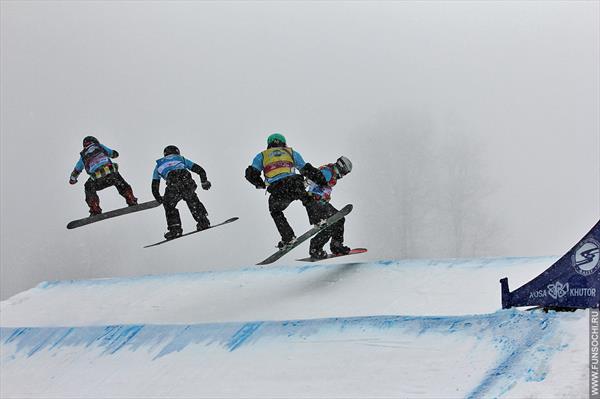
(129, 197)
(203, 224)
(338, 248)
(284, 243)
(94, 207)
(317, 253)
(95, 211)
(174, 232)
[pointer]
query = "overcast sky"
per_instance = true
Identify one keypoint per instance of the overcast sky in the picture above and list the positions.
(474, 127)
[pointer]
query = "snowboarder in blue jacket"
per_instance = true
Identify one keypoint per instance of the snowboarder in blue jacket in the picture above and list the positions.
(95, 158)
(180, 186)
(279, 164)
(320, 208)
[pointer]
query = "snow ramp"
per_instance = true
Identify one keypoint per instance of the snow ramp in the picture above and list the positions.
(378, 329)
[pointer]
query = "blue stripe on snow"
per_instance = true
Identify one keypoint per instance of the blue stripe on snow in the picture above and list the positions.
(512, 365)
(524, 342)
(242, 335)
(123, 337)
(505, 327)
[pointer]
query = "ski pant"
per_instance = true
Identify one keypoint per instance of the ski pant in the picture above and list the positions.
(320, 210)
(283, 193)
(182, 187)
(113, 179)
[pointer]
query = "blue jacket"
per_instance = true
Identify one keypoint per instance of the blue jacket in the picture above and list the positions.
(323, 192)
(167, 164)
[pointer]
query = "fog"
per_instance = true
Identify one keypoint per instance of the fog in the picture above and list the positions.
(473, 127)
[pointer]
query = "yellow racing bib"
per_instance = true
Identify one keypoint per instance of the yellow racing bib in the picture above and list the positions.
(277, 160)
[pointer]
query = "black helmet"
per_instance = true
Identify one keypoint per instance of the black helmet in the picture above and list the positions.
(89, 140)
(343, 165)
(170, 150)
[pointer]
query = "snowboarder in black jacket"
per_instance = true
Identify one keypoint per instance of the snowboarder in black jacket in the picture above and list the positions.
(279, 164)
(180, 185)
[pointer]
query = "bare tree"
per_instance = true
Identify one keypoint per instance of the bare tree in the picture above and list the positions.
(428, 188)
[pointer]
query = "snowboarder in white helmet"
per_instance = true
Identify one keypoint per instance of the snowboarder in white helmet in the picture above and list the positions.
(279, 164)
(320, 208)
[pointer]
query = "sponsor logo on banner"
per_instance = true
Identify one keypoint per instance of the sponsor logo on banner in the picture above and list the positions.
(586, 259)
(559, 290)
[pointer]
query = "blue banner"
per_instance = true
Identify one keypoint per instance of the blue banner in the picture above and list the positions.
(571, 282)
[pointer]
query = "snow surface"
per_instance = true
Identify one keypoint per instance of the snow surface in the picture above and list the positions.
(413, 328)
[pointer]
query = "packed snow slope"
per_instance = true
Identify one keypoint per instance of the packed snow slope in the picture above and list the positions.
(375, 329)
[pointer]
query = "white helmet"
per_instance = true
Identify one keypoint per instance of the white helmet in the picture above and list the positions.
(343, 165)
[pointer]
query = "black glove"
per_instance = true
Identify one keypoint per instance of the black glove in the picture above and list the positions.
(253, 176)
(73, 177)
(205, 185)
(313, 174)
(156, 192)
(199, 170)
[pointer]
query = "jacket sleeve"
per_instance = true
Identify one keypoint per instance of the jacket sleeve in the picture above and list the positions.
(155, 190)
(110, 152)
(77, 169)
(313, 174)
(200, 171)
(253, 176)
(79, 166)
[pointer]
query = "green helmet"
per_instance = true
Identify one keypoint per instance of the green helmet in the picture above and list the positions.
(276, 137)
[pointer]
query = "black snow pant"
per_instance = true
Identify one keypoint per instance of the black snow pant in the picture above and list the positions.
(283, 193)
(113, 179)
(181, 186)
(320, 210)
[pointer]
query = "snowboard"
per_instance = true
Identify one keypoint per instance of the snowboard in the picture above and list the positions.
(111, 214)
(192, 232)
(316, 229)
(331, 256)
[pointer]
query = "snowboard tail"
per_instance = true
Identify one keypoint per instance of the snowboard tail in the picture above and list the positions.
(316, 229)
(193, 232)
(111, 214)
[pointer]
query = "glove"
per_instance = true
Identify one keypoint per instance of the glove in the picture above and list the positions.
(155, 190)
(73, 177)
(314, 174)
(206, 185)
(253, 177)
